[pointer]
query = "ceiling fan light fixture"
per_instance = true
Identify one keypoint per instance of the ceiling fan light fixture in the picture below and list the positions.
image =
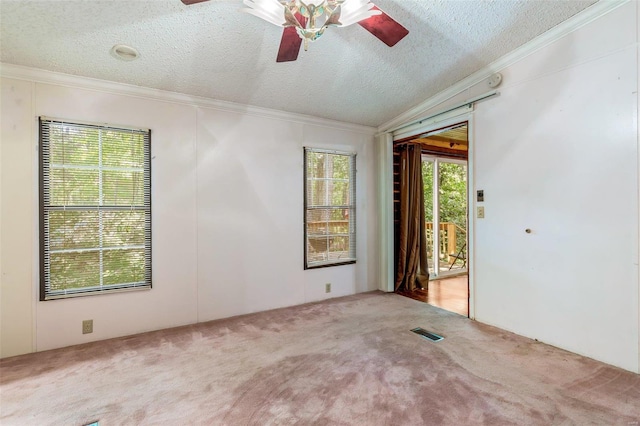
(124, 52)
(318, 14)
(305, 21)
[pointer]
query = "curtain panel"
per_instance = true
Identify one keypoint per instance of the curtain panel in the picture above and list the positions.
(412, 268)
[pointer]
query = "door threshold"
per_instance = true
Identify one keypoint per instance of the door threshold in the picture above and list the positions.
(451, 275)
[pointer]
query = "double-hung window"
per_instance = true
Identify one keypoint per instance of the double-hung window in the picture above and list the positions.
(330, 207)
(95, 209)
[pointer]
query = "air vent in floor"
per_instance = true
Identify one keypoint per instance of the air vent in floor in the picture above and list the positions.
(427, 334)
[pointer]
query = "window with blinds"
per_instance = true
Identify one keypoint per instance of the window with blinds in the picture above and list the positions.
(330, 208)
(95, 209)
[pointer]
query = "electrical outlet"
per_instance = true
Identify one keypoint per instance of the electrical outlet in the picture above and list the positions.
(480, 212)
(327, 288)
(87, 326)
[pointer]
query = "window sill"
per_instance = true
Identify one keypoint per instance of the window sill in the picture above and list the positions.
(327, 264)
(71, 295)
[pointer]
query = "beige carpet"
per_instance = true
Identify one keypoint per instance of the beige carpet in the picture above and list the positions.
(345, 361)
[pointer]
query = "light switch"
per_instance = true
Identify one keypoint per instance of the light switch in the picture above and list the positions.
(480, 212)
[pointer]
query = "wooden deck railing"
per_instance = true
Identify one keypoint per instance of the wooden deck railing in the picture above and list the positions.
(448, 235)
(327, 236)
(448, 238)
(328, 227)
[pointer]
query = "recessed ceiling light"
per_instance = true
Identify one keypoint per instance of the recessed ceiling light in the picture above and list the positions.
(124, 52)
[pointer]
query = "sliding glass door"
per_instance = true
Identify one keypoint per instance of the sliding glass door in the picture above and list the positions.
(445, 204)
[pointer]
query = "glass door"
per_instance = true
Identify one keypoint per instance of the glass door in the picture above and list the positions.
(445, 204)
(428, 173)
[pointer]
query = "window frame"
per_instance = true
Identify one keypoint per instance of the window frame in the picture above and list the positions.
(352, 156)
(45, 206)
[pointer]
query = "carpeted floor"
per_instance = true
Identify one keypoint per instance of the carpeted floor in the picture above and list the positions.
(347, 361)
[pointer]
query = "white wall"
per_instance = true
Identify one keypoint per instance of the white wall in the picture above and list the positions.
(250, 214)
(557, 152)
(16, 294)
(227, 214)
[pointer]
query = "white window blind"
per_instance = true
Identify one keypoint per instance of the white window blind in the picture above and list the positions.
(330, 208)
(95, 208)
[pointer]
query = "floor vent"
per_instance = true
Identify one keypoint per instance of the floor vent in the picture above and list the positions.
(427, 334)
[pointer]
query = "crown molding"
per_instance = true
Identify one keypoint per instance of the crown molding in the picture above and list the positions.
(577, 21)
(36, 75)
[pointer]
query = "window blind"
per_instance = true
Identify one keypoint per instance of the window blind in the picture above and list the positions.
(330, 212)
(95, 208)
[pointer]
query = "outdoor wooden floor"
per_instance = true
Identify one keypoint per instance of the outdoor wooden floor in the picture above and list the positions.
(448, 293)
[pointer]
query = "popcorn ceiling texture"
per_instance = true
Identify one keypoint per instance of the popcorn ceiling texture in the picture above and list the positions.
(212, 50)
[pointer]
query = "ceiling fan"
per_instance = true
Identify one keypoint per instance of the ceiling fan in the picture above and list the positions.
(306, 21)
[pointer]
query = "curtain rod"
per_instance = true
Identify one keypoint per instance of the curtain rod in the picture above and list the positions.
(407, 143)
(426, 150)
(460, 105)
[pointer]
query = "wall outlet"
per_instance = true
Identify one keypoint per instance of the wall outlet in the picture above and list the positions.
(480, 212)
(87, 326)
(327, 288)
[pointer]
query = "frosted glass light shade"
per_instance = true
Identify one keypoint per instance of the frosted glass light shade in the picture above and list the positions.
(353, 11)
(269, 10)
(316, 15)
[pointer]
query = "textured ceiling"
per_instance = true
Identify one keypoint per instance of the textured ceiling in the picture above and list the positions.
(211, 49)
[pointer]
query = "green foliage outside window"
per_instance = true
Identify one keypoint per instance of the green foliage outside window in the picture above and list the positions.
(96, 218)
(329, 207)
(452, 182)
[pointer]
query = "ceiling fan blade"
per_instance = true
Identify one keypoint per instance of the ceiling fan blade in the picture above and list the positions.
(188, 2)
(291, 42)
(289, 45)
(385, 28)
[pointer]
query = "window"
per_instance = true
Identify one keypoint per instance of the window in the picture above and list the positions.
(95, 209)
(330, 208)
